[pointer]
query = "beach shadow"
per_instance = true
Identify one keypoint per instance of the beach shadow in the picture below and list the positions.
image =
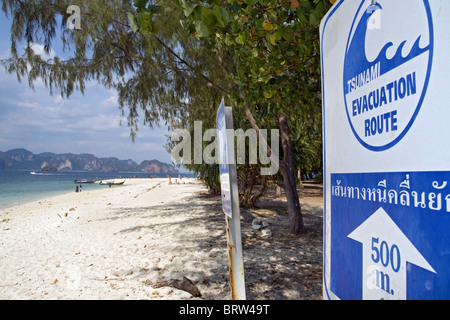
(283, 266)
(194, 241)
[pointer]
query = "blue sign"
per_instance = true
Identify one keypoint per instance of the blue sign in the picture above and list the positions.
(386, 154)
(389, 237)
(225, 184)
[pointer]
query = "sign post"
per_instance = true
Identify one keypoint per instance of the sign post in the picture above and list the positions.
(386, 153)
(230, 200)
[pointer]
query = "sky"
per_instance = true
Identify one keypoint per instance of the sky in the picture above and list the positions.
(89, 123)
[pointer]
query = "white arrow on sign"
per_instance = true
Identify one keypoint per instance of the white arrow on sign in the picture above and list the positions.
(386, 250)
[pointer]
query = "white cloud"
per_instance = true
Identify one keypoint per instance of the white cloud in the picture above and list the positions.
(89, 123)
(28, 104)
(112, 100)
(39, 49)
(58, 99)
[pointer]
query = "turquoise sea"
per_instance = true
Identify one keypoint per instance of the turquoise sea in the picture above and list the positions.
(18, 187)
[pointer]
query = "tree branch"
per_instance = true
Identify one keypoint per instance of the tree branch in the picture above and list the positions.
(208, 80)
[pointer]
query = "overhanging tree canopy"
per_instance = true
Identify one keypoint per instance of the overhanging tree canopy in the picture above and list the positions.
(263, 55)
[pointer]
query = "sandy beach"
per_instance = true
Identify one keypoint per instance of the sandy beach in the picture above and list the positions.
(120, 242)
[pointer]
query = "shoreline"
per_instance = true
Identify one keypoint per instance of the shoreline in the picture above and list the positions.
(55, 194)
(23, 187)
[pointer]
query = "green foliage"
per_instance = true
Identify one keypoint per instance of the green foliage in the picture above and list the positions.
(275, 63)
(273, 44)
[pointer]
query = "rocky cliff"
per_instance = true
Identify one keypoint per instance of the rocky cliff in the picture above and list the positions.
(22, 159)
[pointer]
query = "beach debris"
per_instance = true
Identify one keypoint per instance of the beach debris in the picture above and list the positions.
(256, 224)
(266, 233)
(184, 284)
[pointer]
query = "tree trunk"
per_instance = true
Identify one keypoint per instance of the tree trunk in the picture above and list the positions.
(287, 170)
(299, 177)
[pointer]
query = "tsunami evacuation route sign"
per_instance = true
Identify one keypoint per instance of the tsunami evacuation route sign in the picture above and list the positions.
(384, 88)
(386, 209)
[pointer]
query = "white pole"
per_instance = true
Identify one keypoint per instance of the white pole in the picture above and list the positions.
(230, 202)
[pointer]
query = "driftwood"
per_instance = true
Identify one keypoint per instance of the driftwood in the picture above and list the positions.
(184, 284)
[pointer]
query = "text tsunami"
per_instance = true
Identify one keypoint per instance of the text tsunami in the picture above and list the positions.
(364, 78)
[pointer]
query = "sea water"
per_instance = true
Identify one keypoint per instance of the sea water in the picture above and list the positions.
(18, 187)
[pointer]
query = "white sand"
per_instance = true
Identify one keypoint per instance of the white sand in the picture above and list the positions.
(111, 243)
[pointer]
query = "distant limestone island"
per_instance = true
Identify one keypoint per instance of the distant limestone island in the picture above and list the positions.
(22, 159)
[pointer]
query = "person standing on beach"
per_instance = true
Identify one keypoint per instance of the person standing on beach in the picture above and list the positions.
(76, 189)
